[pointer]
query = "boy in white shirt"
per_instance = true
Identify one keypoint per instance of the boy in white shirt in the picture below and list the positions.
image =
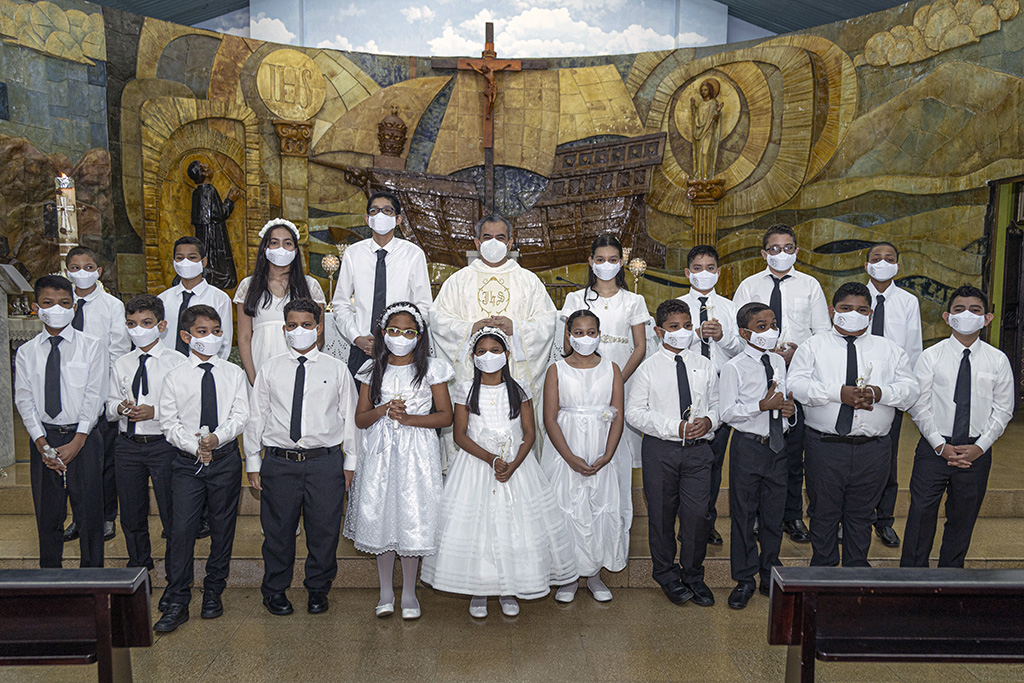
(966, 402)
(193, 289)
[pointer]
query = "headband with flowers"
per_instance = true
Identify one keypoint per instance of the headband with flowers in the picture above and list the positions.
(490, 331)
(402, 307)
(279, 222)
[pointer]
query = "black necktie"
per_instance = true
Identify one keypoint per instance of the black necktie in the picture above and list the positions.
(685, 400)
(52, 391)
(208, 402)
(878, 318)
(140, 385)
(776, 439)
(78, 322)
(775, 302)
(295, 433)
(844, 423)
(179, 344)
(380, 289)
(705, 347)
(962, 399)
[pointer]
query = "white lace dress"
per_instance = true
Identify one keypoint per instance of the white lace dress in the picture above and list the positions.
(396, 496)
(498, 538)
(268, 323)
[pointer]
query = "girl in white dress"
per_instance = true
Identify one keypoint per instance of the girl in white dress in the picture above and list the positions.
(277, 278)
(623, 316)
(501, 532)
(583, 416)
(395, 496)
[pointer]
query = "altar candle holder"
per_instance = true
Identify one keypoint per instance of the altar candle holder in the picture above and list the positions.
(330, 264)
(67, 216)
(637, 267)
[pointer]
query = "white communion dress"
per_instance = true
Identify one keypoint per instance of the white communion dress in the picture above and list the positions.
(396, 494)
(599, 507)
(498, 538)
(268, 324)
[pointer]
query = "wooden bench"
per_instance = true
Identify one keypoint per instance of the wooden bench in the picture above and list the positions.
(895, 615)
(74, 616)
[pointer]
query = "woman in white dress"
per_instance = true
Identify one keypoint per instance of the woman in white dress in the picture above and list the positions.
(395, 497)
(501, 532)
(583, 416)
(623, 316)
(277, 278)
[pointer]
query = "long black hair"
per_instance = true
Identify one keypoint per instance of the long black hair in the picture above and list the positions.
(259, 295)
(516, 395)
(604, 240)
(420, 354)
(576, 315)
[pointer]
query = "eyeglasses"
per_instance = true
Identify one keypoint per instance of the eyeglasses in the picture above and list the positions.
(398, 332)
(775, 249)
(387, 211)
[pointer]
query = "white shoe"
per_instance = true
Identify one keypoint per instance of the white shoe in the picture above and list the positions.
(385, 609)
(602, 595)
(566, 593)
(411, 613)
(478, 608)
(509, 606)
(597, 588)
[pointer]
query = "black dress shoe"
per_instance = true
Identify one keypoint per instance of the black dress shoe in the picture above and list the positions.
(109, 530)
(212, 606)
(740, 595)
(702, 595)
(317, 603)
(71, 532)
(278, 605)
(204, 528)
(714, 538)
(765, 589)
(888, 536)
(175, 615)
(162, 605)
(797, 531)
(677, 592)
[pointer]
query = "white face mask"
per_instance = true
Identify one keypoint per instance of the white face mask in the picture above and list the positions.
(493, 251)
(584, 345)
(883, 270)
(679, 339)
(143, 336)
(84, 279)
(703, 280)
(781, 261)
(281, 256)
(851, 321)
(382, 223)
(187, 270)
(208, 345)
(57, 316)
(765, 340)
(966, 322)
(301, 338)
(606, 271)
(490, 362)
(399, 346)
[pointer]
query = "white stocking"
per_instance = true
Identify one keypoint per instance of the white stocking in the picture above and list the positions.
(386, 575)
(409, 567)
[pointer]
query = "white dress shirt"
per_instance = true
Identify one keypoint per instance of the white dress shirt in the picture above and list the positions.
(653, 403)
(724, 311)
(83, 381)
(103, 318)
(991, 391)
(162, 361)
(902, 319)
(181, 403)
(804, 308)
(203, 293)
(328, 407)
(817, 374)
(743, 384)
(407, 280)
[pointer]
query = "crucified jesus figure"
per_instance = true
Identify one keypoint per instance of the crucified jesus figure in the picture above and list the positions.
(491, 86)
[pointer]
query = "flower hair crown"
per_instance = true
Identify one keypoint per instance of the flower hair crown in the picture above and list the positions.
(402, 307)
(279, 222)
(490, 331)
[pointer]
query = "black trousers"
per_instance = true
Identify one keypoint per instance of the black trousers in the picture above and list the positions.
(50, 498)
(356, 358)
(964, 489)
(795, 465)
(315, 488)
(757, 488)
(677, 481)
(108, 432)
(887, 505)
(844, 484)
(718, 447)
(218, 486)
(137, 465)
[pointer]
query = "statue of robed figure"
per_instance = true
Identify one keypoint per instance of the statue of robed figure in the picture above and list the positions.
(706, 116)
(209, 214)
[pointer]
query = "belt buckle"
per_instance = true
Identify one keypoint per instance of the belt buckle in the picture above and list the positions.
(294, 455)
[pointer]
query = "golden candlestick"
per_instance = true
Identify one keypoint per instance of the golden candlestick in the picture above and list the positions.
(330, 263)
(637, 267)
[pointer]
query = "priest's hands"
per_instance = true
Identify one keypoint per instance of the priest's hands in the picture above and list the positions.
(501, 322)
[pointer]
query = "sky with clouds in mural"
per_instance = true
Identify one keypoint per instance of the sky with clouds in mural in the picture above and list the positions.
(523, 28)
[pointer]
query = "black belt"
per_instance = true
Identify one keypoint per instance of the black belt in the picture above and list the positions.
(966, 442)
(297, 454)
(61, 429)
(763, 440)
(852, 440)
(143, 438)
(217, 454)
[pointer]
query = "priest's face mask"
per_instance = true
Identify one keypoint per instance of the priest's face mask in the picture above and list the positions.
(497, 233)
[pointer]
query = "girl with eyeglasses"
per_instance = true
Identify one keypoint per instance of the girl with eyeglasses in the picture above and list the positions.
(395, 497)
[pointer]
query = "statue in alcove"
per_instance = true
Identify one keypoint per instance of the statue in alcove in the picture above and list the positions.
(209, 214)
(706, 117)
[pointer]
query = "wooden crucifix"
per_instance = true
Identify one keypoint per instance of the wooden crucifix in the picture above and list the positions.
(488, 66)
